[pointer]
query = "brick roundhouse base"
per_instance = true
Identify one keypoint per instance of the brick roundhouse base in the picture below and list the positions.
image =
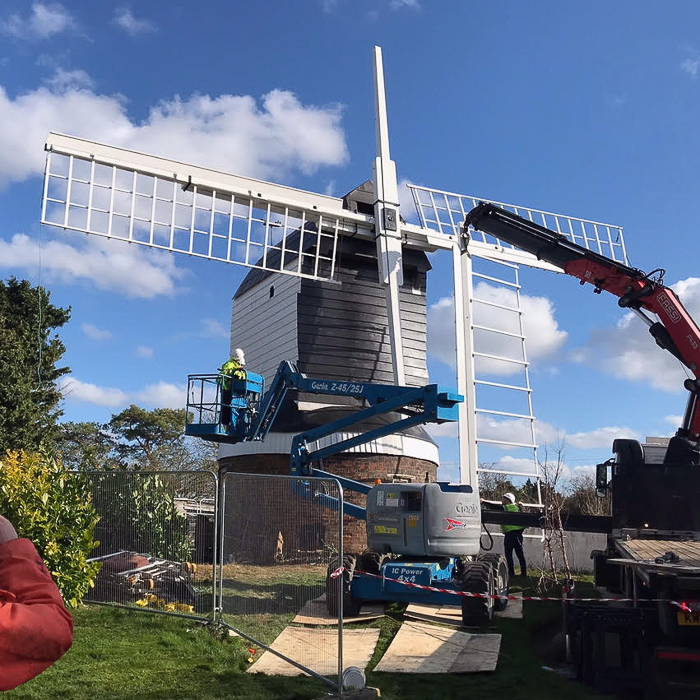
(264, 521)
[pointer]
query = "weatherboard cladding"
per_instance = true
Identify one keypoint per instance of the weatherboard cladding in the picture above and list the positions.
(335, 330)
(266, 327)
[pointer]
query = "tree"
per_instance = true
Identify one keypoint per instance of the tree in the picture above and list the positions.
(493, 485)
(581, 497)
(156, 440)
(29, 353)
(87, 447)
(556, 559)
(136, 439)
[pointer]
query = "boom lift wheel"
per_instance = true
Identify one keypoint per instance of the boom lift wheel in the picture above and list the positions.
(351, 606)
(476, 577)
(500, 577)
(372, 562)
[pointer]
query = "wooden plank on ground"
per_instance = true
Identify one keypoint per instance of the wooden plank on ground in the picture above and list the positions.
(317, 650)
(315, 613)
(452, 614)
(420, 647)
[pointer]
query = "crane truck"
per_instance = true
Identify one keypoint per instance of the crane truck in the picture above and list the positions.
(417, 533)
(653, 549)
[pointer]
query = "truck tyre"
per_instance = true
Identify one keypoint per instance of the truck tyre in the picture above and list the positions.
(629, 452)
(500, 577)
(476, 577)
(351, 606)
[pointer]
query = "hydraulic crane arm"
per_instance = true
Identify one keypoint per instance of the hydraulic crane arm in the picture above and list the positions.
(674, 331)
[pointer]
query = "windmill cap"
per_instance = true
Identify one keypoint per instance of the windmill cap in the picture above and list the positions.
(510, 497)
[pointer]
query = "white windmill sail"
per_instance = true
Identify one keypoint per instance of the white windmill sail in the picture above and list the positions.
(496, 342)
(143, 199)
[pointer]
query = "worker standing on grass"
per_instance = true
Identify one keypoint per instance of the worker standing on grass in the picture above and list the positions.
(513, 537)
(232, 369)
(35, 627)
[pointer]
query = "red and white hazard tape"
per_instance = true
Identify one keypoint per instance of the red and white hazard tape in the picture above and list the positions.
(688, 606)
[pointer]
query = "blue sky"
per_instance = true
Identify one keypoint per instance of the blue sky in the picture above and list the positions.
(585, 109)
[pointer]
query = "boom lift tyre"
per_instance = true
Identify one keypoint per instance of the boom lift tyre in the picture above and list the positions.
(351, 605)
(372, 562)
(476, 577)
(500, 575)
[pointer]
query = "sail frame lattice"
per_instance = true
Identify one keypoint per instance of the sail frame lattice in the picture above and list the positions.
(147, 206)
(444, 212)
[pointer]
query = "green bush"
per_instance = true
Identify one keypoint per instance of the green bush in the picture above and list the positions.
(138, 513)
(53, 509)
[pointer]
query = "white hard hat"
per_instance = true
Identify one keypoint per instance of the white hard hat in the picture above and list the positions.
(510, 497)
(238, 354)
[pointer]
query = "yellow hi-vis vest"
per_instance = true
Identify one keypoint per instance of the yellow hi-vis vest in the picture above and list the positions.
(513, 508)
(230, 368)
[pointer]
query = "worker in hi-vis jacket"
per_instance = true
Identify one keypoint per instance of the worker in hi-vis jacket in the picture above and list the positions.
(232, 369)
(513, 537)
(35, 627)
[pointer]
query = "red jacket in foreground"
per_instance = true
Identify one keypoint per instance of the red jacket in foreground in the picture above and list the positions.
(35, 627)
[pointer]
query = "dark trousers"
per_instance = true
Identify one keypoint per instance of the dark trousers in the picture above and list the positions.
(513, 542)
(226, 396)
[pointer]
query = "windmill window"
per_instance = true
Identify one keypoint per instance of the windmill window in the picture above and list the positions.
(272, 290)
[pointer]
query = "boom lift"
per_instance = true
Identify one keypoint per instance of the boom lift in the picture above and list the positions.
(426, 533)
(653, 551)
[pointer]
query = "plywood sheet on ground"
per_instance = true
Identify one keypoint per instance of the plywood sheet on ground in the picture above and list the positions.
(317, 649)
(315, 613)
(420, 647)
(452, 614)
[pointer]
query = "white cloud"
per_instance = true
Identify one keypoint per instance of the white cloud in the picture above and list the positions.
(124, 18)
(550, 436)
(212, 328)
(544, 338)
(400, 4)
(141, 274)
(675, 421)
(75, 390)
(144, 352)
(161, 395)
(547, 436)
(63, 80)
(601, 437)
(95, 333)
(629, 352)
(44, 21)
(516, 465)
(271, 138)
(690, 66)
(407, 206)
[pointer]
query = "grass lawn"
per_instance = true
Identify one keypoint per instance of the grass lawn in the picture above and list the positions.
(122, 654)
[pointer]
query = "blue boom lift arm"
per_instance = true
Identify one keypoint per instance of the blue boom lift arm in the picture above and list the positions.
(253, 414)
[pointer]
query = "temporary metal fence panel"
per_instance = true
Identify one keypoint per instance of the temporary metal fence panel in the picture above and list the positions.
(156, 540)
(279, 536)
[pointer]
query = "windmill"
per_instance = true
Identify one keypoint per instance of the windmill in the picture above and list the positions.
(159, 203)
